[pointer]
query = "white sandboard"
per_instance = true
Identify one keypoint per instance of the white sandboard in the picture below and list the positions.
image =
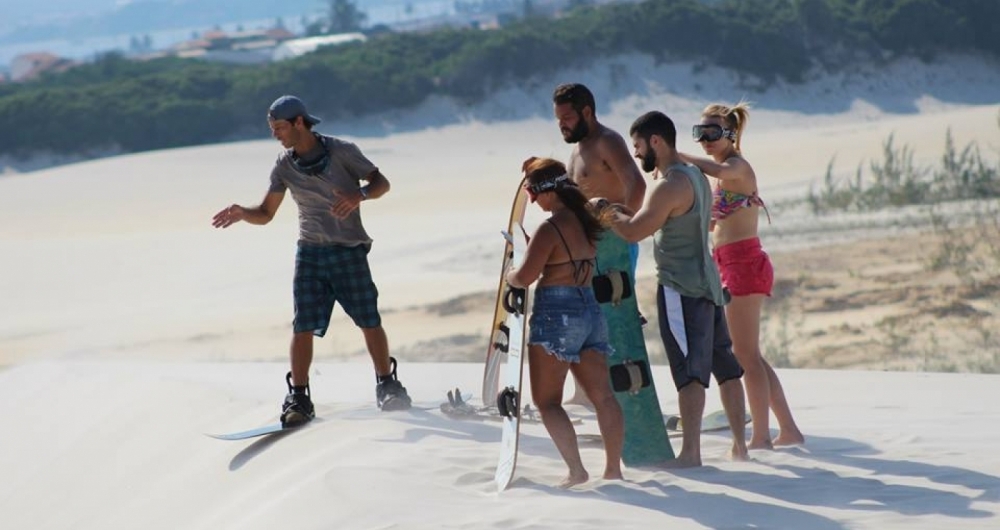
(510, 377)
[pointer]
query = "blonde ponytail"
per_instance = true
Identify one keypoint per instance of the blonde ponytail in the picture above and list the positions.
(736, 117)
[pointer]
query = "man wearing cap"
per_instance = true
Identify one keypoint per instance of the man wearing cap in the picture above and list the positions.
(328, 178)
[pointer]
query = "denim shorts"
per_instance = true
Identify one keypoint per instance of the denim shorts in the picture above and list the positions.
(565, 320)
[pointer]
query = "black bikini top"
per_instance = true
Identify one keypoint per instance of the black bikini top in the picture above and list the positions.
(581, 267)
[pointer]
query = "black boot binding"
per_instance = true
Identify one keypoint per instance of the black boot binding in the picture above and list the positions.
(390, 394)
(298, 407)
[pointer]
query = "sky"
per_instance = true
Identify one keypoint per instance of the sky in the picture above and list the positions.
(80, 29)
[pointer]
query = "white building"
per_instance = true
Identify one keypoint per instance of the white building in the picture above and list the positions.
(296, 47)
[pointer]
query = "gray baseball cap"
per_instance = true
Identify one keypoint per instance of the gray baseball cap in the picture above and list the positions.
(290, 107)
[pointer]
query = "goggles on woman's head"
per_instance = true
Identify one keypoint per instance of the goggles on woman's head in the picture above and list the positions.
(546, 185)
(711, 132)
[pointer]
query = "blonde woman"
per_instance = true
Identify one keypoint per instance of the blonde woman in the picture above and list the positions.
(744, 266)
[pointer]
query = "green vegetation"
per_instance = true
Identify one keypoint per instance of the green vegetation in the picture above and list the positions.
(960, 197)
(896, 180)
(168, 103)
(955, 307)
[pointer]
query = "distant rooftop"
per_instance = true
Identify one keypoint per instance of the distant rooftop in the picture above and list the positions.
(29, 66)
(296, 47)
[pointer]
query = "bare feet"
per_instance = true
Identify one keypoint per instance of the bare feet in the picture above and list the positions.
(761, 444)
(740, 453)
(573, 479)
(613, 474)
(792, 438)
(682, 461)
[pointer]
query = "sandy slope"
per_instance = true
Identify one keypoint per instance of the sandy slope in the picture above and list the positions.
(117, 257)
(120, 445)
(117, 299)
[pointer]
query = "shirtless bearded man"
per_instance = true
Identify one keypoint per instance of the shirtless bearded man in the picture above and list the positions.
(600, 165)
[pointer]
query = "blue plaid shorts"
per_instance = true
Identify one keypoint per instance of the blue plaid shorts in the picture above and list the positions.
(325, 275)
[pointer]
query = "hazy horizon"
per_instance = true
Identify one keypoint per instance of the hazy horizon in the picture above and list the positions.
(81, 29)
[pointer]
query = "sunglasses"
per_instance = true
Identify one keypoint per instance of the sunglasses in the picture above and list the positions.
(711, 133)
(534, 190)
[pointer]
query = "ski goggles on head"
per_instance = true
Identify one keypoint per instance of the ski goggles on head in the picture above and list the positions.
(546, 185)
(711, 133)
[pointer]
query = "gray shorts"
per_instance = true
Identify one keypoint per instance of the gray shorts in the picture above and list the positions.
(696, 338)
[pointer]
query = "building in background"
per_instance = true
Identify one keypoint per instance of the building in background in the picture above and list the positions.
(242, 47)
(296, 47)
(28, 66)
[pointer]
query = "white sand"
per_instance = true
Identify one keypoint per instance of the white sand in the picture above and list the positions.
(118, 299)
(119, 445)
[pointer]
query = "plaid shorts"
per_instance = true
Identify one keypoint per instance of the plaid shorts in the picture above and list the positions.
(325, 275)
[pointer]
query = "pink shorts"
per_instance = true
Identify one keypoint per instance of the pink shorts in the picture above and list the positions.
(745, 268)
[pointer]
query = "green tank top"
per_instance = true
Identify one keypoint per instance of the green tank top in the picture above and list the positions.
(681, 248)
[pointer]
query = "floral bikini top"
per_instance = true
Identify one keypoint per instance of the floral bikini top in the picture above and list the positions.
(727, 202)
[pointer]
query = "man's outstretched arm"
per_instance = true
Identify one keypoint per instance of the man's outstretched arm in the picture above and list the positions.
(256, 215)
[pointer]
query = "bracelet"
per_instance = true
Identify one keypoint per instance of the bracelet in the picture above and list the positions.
(364, 192)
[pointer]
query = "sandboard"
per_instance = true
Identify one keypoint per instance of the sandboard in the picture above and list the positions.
(714, 421)
(458, 407)
(646, 440)
(260, 431)
(509, 398)
(496, 350)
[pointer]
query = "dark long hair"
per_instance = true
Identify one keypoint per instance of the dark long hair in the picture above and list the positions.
(543, 169)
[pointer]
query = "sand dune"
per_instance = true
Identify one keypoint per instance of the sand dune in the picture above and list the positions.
(120, 445)
(129, 327)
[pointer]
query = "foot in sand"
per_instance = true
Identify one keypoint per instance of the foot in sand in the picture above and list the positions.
(761, 444)
(792, 438)
(682, 462)
(573, 479)
(739, 453)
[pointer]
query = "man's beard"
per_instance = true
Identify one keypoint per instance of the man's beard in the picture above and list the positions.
(649, 161)
(577, 133)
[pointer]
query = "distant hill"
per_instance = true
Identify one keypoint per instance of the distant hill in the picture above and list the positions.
(120, 105)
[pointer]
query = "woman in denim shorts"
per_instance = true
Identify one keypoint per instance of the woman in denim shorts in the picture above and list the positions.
(568, 332)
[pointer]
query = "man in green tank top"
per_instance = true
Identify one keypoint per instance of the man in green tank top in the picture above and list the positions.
(689, 296)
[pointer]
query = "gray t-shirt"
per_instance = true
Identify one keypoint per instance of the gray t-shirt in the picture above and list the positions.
(314, 194)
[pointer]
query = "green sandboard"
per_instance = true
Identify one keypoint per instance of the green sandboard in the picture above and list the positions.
(646, 441)
(713, 421)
